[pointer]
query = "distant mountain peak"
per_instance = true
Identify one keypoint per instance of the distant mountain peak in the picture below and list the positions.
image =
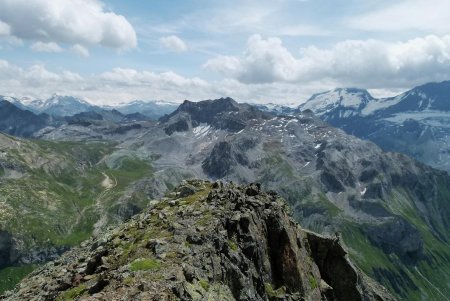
(347, 98)
(216, 105)
(61, 99)
(205, 111)
(222, 113)
(59, 105)
(415, 122)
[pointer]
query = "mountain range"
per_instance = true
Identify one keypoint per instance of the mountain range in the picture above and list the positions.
(416, 122)
(391, 212)
(65, 106)
(98, 168)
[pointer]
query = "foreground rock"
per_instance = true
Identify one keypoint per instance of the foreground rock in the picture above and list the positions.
(205, 242)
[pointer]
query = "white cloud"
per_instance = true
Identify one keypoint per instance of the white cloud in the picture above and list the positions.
(119, 84)
(80, 50)
(34, 80)
(426, 15)
(368, 63)
(113, 86)
(173, 43)
(5, 30)
(228, 65)
(84, 22)
(134, 78)
(264, 61)
(265, 72)
(46, 47)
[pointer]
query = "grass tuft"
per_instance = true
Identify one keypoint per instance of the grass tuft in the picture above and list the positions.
(145, 264)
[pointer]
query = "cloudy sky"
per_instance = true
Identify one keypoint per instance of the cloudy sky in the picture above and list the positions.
(280, 51)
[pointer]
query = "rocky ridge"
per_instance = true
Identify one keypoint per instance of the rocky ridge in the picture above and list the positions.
(206, 241)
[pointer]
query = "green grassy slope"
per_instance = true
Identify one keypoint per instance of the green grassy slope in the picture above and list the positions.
(53, 193)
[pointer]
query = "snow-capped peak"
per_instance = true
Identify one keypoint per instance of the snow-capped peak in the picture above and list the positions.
(341, 97)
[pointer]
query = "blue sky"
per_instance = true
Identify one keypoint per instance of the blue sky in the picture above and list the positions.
(278, 51)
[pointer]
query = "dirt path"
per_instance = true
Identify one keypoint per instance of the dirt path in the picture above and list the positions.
(107, 182)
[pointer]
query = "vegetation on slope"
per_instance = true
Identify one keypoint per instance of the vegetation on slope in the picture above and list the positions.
(58, 192)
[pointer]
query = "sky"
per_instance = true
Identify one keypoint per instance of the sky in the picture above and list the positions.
(260, 51)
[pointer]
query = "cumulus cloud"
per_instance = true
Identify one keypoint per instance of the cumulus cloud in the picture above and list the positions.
(35, 76)
(116, 85)
(46, 47)
(80, 50)
(132, 77)
(121, 84)
(264, 61)
(230, 66)
(364, 63)
(84, 22)
(173, 43)
(5, 30)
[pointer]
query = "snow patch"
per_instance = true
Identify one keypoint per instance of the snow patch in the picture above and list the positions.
(380, 104)
(324, 102)
(201, 130)
(363, 192)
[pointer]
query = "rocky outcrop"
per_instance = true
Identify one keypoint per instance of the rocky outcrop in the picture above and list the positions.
(207, 241)
(10, 253)
(347, 281)
(5, 248)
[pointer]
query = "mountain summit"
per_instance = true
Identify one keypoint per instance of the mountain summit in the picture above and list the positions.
(223, 113)
(347, 101)
(60, 105)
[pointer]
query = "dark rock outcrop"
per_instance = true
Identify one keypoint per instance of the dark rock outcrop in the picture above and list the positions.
(5, 248)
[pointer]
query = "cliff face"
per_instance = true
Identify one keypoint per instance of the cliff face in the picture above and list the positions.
(204, 242)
